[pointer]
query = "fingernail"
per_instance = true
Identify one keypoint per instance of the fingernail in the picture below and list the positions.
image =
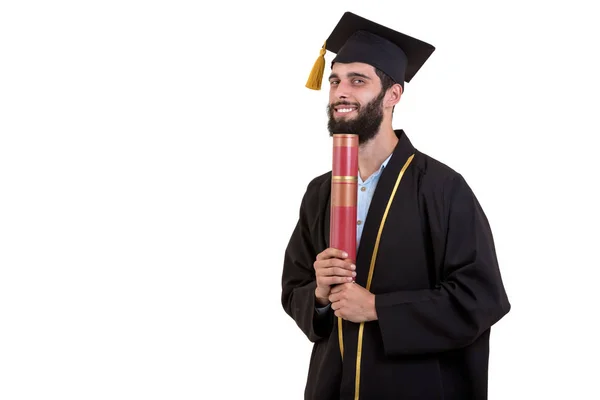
(350, 279)
(353, 273)
(344, 254)
(353, 266)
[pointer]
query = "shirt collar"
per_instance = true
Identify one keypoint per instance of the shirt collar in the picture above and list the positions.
(376, 174)
(385, 162)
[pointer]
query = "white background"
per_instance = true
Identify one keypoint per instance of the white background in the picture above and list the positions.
(153, 156)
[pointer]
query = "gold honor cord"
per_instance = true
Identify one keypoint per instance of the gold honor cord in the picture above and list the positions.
(370, 278)
(341, 337)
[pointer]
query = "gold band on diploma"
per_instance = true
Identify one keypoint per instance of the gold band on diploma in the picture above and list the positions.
(340, 140)
(345, 142)
(340, 179)
(343, 194)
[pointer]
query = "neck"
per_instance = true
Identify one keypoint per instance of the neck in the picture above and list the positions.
(373, 153)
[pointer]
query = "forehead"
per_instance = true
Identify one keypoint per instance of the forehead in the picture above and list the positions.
(342, 69)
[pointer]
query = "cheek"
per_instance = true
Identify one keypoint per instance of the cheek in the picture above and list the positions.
(332, 97)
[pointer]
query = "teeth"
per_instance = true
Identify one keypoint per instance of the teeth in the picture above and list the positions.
(345, 110)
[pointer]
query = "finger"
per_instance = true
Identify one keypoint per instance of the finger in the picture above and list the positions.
(335, 271)
(333, 280)
(341, 288)
(337, 263)
(334, 263)
(332, 298)
(331, 253)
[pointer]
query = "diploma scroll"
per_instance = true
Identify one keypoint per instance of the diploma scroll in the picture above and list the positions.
(344, 191)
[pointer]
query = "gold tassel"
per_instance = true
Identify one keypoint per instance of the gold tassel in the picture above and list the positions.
(316, 75)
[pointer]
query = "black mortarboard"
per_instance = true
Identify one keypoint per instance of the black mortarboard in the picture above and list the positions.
(356, 39)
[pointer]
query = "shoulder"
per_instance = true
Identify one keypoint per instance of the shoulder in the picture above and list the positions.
(438, 179)
(316, 196)
(317, 190)
(318, 182)
(434, 169)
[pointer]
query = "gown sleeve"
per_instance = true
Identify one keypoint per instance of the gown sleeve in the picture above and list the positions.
(298, 277)
(470, 296)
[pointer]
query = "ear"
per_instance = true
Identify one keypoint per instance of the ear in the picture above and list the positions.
(393, 95)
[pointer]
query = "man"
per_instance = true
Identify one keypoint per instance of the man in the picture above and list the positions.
(411, 318)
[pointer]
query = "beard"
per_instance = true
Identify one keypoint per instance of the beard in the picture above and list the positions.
(366, 123)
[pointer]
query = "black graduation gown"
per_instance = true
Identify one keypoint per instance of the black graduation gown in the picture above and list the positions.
(436, 280)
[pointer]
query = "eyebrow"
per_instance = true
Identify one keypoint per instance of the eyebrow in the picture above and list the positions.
(350, 75)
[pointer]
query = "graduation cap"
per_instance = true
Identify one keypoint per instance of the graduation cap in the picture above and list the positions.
(356, 39)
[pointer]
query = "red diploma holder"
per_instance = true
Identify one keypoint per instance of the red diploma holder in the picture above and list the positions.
(344, 192)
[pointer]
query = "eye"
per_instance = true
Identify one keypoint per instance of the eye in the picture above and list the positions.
(334, 82)
(358, 81)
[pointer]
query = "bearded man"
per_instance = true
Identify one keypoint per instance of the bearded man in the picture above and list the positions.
(422, 329)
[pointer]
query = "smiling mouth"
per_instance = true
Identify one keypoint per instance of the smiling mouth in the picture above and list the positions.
(344, 110)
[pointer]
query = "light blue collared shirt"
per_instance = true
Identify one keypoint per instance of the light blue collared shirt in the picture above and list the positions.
(366, 189)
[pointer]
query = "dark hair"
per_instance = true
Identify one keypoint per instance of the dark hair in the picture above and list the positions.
(386, 82)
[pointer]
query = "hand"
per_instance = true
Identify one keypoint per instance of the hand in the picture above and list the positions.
(331, 268)
(352, 302)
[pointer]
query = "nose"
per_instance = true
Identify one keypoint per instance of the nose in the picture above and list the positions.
(342, 90)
